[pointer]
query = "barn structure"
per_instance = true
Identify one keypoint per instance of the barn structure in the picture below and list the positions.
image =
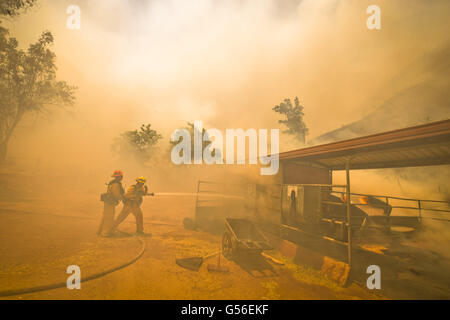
(307, 204)
(301, 204)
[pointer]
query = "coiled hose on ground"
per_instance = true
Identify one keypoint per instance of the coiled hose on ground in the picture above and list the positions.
(97, 275)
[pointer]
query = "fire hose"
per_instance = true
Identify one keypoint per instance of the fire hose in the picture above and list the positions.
(14, 292)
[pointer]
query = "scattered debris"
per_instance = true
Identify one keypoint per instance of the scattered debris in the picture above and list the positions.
(194, 263)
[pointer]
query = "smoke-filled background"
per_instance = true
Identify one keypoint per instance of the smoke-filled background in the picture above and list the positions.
(228, 63)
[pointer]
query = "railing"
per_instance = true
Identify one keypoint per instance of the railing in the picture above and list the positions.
(389, 205)
(208, 192)
(215, 193)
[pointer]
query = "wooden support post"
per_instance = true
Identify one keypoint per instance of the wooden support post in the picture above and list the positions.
(196, 198)
(388, 216)
(223, 196)
(420, 210)
(349, 226)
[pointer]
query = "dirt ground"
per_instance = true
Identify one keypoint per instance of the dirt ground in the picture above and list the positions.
(40, 237)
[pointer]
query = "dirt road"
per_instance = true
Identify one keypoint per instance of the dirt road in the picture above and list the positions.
(40, 239)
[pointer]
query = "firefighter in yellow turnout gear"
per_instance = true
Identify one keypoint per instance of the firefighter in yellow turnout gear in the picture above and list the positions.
(111, 199)
(132, 204)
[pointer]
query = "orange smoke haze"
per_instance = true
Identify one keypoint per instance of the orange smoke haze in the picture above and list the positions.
(226, 63)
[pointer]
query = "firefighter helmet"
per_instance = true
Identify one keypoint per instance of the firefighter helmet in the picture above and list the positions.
(117, 173)
(141, 180)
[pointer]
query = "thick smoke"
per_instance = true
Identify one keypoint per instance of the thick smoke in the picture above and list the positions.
(226, 63)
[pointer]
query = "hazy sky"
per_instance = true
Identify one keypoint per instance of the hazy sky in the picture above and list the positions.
(227, 63)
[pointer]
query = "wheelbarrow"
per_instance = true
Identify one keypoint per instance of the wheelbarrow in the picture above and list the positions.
(242, 237)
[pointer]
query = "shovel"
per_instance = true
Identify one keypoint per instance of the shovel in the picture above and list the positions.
(194, 263)
(217, 267)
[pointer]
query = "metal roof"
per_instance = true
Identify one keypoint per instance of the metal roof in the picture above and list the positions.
(422, 145)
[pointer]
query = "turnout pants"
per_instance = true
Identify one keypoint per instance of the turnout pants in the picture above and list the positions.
(134, 208)
(107, 221)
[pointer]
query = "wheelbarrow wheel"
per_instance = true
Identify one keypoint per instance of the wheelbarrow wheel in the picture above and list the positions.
(227, 245)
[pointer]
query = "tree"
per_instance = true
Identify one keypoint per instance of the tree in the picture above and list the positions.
(12, 7)
(27, 83)
(137, 143)
(293, 119)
